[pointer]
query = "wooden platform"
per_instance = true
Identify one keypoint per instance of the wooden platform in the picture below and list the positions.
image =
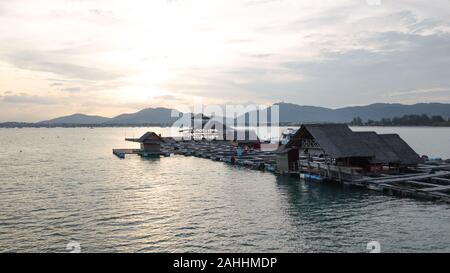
(431, 182)
(121, 153)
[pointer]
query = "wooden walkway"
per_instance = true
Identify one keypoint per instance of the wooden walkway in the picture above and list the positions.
(430, 182)
(121, 153)
(126, 151)
(430, 186)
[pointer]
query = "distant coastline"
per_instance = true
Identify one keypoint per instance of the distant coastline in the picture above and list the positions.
(20, 125)
(406, 120)
(65, 125)
(378, 114)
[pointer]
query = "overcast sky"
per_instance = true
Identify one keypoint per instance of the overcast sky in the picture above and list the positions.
(60, 57)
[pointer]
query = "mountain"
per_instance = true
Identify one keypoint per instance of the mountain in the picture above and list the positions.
(288, 113)
(293, 113)
(146, 116)
(383, 110)
(77, 119)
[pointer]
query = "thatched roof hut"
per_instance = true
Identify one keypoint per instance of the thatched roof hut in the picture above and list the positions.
(403, 151)
(149, 137)
(336, 140)
(382, 150)
(150, 143)
(340, 143)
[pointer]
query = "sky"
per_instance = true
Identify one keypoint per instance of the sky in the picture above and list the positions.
(107, 57)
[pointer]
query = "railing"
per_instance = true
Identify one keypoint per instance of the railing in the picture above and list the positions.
(330, 171)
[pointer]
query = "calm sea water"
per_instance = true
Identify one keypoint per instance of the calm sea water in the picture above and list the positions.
(62, 185)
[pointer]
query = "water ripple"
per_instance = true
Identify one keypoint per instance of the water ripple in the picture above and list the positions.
(68, 189)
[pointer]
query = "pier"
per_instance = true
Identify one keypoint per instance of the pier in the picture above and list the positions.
(401, 174)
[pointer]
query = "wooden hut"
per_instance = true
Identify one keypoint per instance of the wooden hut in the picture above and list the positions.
(406, 155)
(337, 144)
(384, 155)
(287, 159)
(150, 143)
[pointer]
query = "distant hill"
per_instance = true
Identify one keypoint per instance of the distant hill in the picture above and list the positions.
(293, 113)
(289, 113)
(146, 116)
(77, 119)
(382, 110)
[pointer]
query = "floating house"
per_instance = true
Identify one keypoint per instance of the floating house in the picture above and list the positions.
(320, 152)
(383, 154)
(406, 155)
(150, 144)
(338, 145)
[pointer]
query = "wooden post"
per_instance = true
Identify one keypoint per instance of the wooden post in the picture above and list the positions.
(340, 174)
(328, 170)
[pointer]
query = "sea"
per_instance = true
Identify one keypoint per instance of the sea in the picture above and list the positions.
(63, 187)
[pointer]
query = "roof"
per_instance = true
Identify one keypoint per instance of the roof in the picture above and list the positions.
(383, 152)
(403, 151)
(282, 149)
(149, 137)
(337, 140)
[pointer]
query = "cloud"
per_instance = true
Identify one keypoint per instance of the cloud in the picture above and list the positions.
(29, 60)
(417, 62)
(72, 89)
(259, 2)
(420, 91)
(167, 98)
(27, 99)
(260, 56)
(326, 53)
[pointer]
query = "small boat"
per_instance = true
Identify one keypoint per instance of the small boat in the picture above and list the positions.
(311, 177)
